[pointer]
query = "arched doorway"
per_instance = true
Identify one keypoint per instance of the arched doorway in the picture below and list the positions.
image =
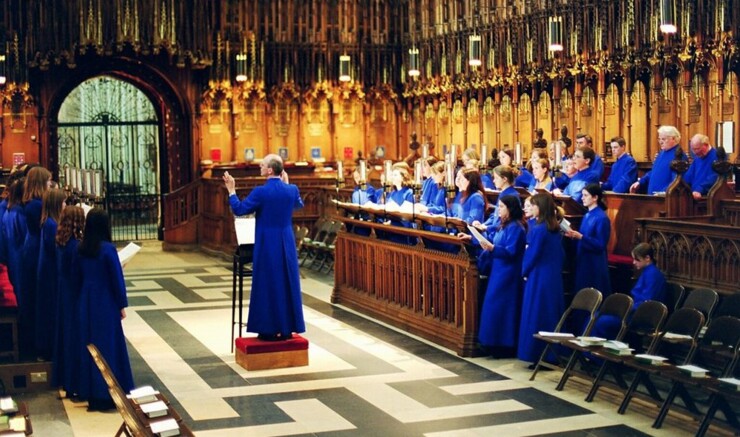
(108, 124)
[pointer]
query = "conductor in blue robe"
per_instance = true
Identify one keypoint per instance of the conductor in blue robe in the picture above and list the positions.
(624, 169)
(275, 308)
(501, 310)
(660, 177)
(700, 176)
(592, 267)
(542, 268)
(101, 307)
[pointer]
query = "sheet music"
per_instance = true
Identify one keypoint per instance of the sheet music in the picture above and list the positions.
(245, 227)
(565, 225)
(127, 253)
(478, 236)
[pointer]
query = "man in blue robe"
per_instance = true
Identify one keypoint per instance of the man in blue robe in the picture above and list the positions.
(597, 165)
(700, 176)
(660, 177)
(624, 170)
(275, 308)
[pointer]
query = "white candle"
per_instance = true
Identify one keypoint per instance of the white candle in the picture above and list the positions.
(99, 183)
(449, 173)
(388, 165)
(363, 171)
(88, 181)
(340, 171)
(518, 153)
(425, 151)
(417, 173)
(558, 153)
(67, 173)
(453, 154)
(483, 155)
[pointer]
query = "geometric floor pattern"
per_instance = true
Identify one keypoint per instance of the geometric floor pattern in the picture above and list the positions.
(364, 378)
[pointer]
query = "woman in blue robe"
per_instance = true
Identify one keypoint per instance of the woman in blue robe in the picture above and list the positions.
(101, 290)
(471, 202)
(649, 286)
(275, 306)
(503, 178)
(14, 233)
(592, 239)
(542, 268)
(429, 186)
(401, 192)
(501, 310)
(541, 179)
(69, 234)
(46, 295)
(37, 182)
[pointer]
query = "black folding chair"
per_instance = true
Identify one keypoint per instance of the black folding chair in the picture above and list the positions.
(618, 306)
(702, 299)
(587, 299)
(729, 306)
(640, 335)
(673, 295)
(677, 343)
(717, 353)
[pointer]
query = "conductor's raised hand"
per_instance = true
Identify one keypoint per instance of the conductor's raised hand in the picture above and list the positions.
(230, 183)
(284, 176)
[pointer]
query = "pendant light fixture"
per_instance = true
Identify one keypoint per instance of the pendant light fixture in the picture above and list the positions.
(667, 17)
(555, 27)
(344, 75)
(474, 58)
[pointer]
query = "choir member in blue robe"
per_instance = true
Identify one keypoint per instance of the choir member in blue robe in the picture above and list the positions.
(501, 310)
(542, 268)
(582, 159)
(69, 234)
(660, 177)
(700, 176)
(592, 239)
(429, 186)
(597, 164)
(101, 307)
(503, 178)
(400, 192)
(541, 173)
(569, 170)
(471, 198)
(46, 295)
(275, 308)
(37, 182)
(624, 170)
(14, 233)
(649, 286)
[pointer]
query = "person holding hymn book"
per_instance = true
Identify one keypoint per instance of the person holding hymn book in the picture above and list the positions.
(660, 177)
(37, 182)
(503, 178)
(649, 286)
(275, 308)
(53, 203)
(429, 186)
(624, 170)
(471, 201)
(541, 173)
(98, 282)
(500, 313)
(592, 267)
(542, 269)
(68, 236)
(582, 158)
(700, 175)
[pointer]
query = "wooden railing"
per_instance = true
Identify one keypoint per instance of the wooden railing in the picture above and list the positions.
(427, 292)
(182, 213)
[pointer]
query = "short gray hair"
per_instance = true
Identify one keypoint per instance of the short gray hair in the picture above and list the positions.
(670, 131)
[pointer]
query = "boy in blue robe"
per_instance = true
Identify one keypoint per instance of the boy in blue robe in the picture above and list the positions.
(624, 170)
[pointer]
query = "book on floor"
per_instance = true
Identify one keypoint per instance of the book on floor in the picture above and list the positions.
(693, 371)
(143, 395)
(165, 427)
(154, 409)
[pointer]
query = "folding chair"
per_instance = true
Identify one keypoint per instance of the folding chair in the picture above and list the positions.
(587, 299)
(673, 295)
(311, 246)
(685, 322)
(729, 306)
(702, 299)
(640, 335)
(717, 353)
(615, 306)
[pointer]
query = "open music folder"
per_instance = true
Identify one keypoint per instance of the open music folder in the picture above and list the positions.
(245, 227)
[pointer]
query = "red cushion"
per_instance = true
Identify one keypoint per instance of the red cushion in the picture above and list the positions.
(615, 259)
(252, 345)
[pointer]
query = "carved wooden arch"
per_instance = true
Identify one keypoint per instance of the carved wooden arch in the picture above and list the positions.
(727, 263)
(702, 254)
(173, 111)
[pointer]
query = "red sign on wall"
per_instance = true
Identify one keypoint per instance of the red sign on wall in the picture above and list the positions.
(348, 152)
(216, 155)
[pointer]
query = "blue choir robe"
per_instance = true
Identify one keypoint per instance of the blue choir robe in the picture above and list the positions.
(361, 197)
(65, 334)
(700, 176)
(275, 305)
(487, 180)
(622, 176)
(524, 179)
(501, 310)
(597, 166)
(562, 181)
(46, 294)
(649, 286)
(405, 194)
(660, 177)
(592, 267)
(29, 264)
(429, 189)
(493, 220)
(14, 234)
(470, 210)
(532, 186)
(101, 295)
(579, 181)
(543, 302)
(3, 246)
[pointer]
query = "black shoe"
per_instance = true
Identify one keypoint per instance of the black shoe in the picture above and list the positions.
(274, 337)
